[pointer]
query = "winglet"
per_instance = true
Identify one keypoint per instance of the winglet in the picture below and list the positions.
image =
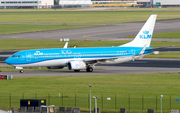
(65, 46)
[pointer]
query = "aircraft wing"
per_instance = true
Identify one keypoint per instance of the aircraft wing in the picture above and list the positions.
(99, 59)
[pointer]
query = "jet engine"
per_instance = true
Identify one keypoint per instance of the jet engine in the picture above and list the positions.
(76, 65)
(55, 67)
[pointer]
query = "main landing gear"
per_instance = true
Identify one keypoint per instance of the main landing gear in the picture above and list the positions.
(21, 71)
(89, 69)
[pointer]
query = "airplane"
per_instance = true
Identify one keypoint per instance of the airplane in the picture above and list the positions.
(85, 58)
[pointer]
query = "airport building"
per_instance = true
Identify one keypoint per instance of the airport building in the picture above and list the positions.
(158, 3)
(100, 3)
(20, 4)
(145, 3)
(75, 3)
(166, 3)
(111, 1)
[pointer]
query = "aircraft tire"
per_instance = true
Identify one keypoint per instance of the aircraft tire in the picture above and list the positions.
(21, 71)
(89, 69)
(76, 70)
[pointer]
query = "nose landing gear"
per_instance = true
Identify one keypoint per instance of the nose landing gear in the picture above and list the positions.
(21, 71)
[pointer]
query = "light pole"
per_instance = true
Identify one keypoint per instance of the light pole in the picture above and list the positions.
(90, 97)
(161, 102)
(95, 103)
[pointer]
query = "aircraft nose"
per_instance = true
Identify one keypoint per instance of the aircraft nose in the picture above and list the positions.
(8, 61)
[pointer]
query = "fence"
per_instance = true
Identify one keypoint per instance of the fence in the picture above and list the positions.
(105, 102)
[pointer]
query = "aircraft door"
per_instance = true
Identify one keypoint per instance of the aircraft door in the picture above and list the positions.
(133, 53)
(28, 56)
(77, 55)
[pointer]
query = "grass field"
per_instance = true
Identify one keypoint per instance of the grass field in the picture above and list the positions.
(170, 35)
(164, 55)
(23, 44)
(140, 87)
(82, 17)
(173, 9)
(22, 28)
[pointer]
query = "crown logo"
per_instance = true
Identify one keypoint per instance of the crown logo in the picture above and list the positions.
(77, 65)
(146, 32)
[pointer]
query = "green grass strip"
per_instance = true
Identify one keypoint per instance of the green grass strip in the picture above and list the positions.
(23, 28)
(170, 35)
(164, 55)
(171, 9)
(83, 17)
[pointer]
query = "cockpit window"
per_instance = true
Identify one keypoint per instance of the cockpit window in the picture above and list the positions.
(16, 56)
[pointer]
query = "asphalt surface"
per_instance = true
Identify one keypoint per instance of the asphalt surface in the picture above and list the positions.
(113, 32)
(99, 70)
(152, 62)
(3, 58)
(146, 65)
(7, 52)
(168, 49)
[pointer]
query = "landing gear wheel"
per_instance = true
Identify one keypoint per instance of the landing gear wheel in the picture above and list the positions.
(89, 69)
(21, 71)
(76, 70)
